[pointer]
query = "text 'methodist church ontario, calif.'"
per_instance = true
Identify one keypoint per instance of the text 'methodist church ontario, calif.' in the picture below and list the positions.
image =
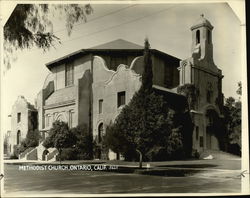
(91, 86)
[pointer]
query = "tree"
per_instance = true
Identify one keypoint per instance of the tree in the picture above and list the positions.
(31, 140)
(129, 135)
(59, 137)
(31, 25)
(232, 114)
(147, 76)
(83, 145)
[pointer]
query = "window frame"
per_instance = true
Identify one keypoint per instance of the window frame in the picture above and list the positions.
(201, 141)
(19, 117)
(121, 98)
(198, 37)
(69, 74)
(100, 106)
(197, 132)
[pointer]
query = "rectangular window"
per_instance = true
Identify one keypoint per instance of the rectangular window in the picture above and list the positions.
(201, 141)
(121, 98)
(18, 117)
(69, 74)
(47, 120)
(168, 75)
(71, 117)
(197, 133)
(100, 105)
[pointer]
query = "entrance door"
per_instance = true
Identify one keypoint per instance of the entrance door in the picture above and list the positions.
(208, 138)
(45, 152)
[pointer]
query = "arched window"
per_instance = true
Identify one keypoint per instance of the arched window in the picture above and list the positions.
(208, 36)
(197, 36)
(100, 132)
(18, 137)
(208, 96)
(61, 118)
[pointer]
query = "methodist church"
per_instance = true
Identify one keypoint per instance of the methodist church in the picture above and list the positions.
(91, 86)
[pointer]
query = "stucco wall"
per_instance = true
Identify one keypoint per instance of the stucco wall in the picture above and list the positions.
(124, 79)
(20, 106)
(65, 99)
(62, 111)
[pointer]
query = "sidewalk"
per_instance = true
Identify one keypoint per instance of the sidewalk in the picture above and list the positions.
(214, 164)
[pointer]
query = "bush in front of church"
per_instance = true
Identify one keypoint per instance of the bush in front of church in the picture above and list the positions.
(83, 146)
(31, 140)
(72, 144)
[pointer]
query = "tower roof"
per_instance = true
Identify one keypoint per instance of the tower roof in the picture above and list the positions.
(202, 21)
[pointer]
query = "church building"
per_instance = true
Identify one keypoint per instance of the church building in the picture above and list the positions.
(23, 119)
(91, 86)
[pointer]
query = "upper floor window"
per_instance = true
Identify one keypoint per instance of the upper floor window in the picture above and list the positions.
(100, 105)
(121, 98)
(197, 36)
(18, 117)
(209, 96)
(69, 74)
(168, 75)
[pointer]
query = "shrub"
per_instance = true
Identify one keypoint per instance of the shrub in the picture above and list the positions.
(68, 154)
(83, 145)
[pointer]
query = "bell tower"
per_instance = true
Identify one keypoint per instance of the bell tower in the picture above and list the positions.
(203, 80)
(202, 46)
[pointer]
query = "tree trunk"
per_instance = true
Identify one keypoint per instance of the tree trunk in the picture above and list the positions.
(60, 151)
(140, 161)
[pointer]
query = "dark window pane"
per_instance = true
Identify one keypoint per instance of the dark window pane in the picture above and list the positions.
(197, 36)
(121, 100)
(18, 117)
(18, 138)
(69, 74)
(100, 132)
(208, 36)
(100, 106)
(197, 133)
(201, 141)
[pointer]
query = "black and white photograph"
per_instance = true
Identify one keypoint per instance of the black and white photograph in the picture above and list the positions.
(127, 98)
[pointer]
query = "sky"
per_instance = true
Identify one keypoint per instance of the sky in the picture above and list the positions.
(167, 26)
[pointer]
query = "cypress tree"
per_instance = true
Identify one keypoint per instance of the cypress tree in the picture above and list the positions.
(147, 76)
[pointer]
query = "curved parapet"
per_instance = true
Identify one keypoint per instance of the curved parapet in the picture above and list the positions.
(50, 77)
(100, 70)
(137, 65)
(22, 102)
(121, 69)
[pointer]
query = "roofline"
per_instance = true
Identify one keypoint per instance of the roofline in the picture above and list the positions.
(51, 64)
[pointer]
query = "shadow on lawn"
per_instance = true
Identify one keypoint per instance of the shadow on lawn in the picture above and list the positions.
(189, 166)
(156, 172)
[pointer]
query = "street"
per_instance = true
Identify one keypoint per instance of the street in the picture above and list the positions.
(161, 179)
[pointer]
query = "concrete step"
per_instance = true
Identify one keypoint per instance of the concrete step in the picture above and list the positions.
(23, 154)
